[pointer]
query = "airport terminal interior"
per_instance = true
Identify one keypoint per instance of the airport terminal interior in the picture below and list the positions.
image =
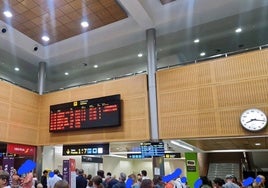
(52, 50)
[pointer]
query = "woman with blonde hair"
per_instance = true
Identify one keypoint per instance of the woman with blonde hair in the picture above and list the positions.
(259, 184)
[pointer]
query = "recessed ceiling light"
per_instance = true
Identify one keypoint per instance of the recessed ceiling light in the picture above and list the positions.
(45, 38)
(17, 69)
(202, 54)
(140, 55)
(66, 73)
(8, 14)
(257, 144)
(95, 66)
(84, 24)
(196, 41)
(238, 30)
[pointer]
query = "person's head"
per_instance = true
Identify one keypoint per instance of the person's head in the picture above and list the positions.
(39, 185)
(229, 178)
(100, 173)
(4, 178)
(45, 172)
(56, 171)
(144, 173)
(146, 183)
(139, 177)
(109, 174)
(97, 181)
(89, 176)
(206, 181)
(262, 178)
(90, 183)
(80, 172)
(61, 184)
(122, 177)
(218, 182)
(14, 171)
(133, 177)
(259, 181)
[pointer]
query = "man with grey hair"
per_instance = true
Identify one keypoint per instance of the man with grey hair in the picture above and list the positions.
(229, 182)
(121, 183)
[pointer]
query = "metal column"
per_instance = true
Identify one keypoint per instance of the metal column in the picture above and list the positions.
(158, 162)
(41, 77)
(151, 53)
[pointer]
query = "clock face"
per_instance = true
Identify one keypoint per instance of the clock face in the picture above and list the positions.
(253, 119)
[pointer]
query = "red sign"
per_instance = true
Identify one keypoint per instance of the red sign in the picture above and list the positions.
(21, 149)
(72, 165)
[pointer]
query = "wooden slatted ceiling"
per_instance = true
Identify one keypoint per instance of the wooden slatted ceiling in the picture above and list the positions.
(60, 19)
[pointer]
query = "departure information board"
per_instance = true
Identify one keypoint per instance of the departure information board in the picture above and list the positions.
(86, 114)
(166, 155)
(152, 149)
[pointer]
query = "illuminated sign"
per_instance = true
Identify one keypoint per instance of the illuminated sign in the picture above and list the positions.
(87, 159)
(20, 149)
(86, 114)
(86, 149)
(166, 155)
(152, 149)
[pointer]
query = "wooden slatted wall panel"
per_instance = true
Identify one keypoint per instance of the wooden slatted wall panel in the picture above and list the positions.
(206, 99)
(135, 118)
(19, 115)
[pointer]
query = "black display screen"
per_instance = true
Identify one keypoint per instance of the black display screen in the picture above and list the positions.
(86, 114)
(152, 149)
(86, 149)
(167, 155)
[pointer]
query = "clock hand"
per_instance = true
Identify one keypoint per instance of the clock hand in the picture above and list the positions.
(258, 120)
(251, 120)
(254, 120)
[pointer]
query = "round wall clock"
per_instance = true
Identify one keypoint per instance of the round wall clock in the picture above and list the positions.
(253, 119)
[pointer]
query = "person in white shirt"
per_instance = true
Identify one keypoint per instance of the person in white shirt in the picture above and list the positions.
(53, 180)
(144, 175)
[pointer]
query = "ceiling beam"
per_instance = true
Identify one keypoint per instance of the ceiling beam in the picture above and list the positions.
(138, 13)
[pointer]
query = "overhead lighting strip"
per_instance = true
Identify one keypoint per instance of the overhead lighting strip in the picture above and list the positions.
(181, 145)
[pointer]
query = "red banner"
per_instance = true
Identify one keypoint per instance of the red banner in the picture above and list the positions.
(21, 149)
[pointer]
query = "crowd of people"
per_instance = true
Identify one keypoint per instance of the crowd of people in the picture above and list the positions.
(140, 180)
(231, 181)
(27, 180)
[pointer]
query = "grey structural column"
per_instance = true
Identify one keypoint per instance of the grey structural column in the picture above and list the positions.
(39, 161)
(151, 66)
(41, 77)
(41, 83)
(158, 162)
